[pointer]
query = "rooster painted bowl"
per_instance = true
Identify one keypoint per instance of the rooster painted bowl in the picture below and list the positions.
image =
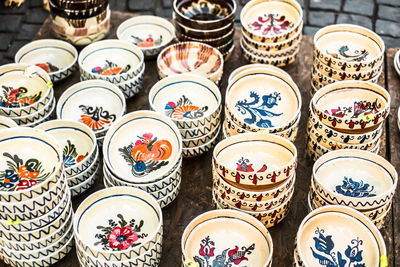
(202, 34)
(348, 47)
(6, 122)
(331, 106)
(142, 147)
(204, 238)
(101, 214)
(204, 14)
(56, 57)
(255, 159)
(150, 33)
(352, 235)
(271, 21)
(96, 103)
(191, 57)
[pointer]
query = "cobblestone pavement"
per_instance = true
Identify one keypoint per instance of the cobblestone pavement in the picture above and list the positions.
(19, 25)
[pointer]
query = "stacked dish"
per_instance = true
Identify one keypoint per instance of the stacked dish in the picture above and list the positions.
(116, 61)
(120, 226)
(346, 52)
(150, 33)
(194, 105)
(262, 98)
(339, 236)
(80, 22)
(255, 174)
(347, 115)
(26, 94)
(191, 57)
(204, 240)
(271, 31)
(397, 62)
(358, 179)
(80, 153)
(207, 21)
(96, 103)
(35, 203)
(143, 149)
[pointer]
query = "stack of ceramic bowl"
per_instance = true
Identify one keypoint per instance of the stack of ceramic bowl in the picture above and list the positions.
(338, 236)
(346, 52)
(191, 57)
(35, 203)
(80, 22)
(358, 179)
(262, 98)
(115, 61)
(205, 240)
(271, 31)
(150, 33)
(80, 153)
(347, 115)
(26, 94)
(96, 103)
(397, 62)
(211, 22)
(255, 173)
(143, 149)
(56, 57)
(194, 105)
(120, 226)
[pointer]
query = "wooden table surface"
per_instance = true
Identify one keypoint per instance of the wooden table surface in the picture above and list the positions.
(195, 195)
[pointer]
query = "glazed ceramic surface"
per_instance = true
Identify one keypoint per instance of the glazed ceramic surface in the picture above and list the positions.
(244, 68)
(6, 122)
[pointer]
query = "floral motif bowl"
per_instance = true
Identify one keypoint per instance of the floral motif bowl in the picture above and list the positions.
(260, 67)
(96, 103)
(348, 47)
(107, 230)
(255, 159)
(369, 106)
(202, 34)
(150, 33)
(204, 238)
(331, 231)
(56, 57)
(6, 122)
(196, 58)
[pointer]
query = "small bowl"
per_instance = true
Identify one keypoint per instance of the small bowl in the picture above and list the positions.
(132, 87)
(79, 189)
(199, 141)
(81, 21)
(74, 13)
(184, 57)
(6, 123)
(202, 131)
(192, 152)
(287, 52)
(150, 33)
(87, 174)
(260, 167)
(215, 42)
(243, 69)
(49, 116)
(278, 62)
(202, 34)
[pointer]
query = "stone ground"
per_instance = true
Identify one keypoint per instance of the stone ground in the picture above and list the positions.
(19, 25)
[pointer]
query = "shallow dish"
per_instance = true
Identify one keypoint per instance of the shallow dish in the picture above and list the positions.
(6, 122)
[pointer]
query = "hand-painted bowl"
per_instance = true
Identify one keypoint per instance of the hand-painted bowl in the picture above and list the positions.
(342, 230)
(286, 52)
(355, 178)
(81, 188)
(150, 33)
(351, 105)
(74, 13)
(243, 69)
(113, 212)
(86, 174)
(192, 152)
(271, 21)
(50, 115)
(77, 5)
(199, 141)
(397, 62)
(196, 58)
(6, 122)
(96, 103)
(202, 131)
(133, 86)
(204, 238)
(348, 47)
(78, 21)
(142, 147)
(215, 42)
(255, 159)
(202, 34)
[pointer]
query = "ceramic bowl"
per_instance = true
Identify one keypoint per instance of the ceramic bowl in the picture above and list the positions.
(77, 5)
(56, 57)
(24, 89)
(74, 13)
(170, 197)
(204, 15)
(215, 42)
(115, 61)
(78, 189)
(199, 141)
(150, 33)
(397, 62)
(202, 34)
(244, 68)
(87, 173)
(348, 47)
(289, 51)
(343, 229)
(78, 19)
(251, 242)
(355, 178)
(200, 150)
(98, 104)
(250, 164)
(49, 116)
(6, 122)
(132, 87)
(140, 218)
(334, 105)
(256, 17)
(185, 57)
(142, 147)
(201, 131)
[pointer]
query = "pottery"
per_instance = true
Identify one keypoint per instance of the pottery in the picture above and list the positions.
(78, 189)
(397, 62)
(201, 131)
(6, 123)
(132, 87)
(286, 52)
(49, 116)
(150, 33)
(261, 67)
(202, 34)
(215, 42)
(199, 141)
(278, 62)
(74, 13)
(85, 174)
(199, 150)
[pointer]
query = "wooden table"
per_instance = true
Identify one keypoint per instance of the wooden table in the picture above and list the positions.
(195, 195)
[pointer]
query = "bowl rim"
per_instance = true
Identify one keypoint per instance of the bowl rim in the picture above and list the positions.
(198, 31)
(257, 66)
(7, 122)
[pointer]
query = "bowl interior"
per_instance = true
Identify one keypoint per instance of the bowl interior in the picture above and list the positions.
(205, 10)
